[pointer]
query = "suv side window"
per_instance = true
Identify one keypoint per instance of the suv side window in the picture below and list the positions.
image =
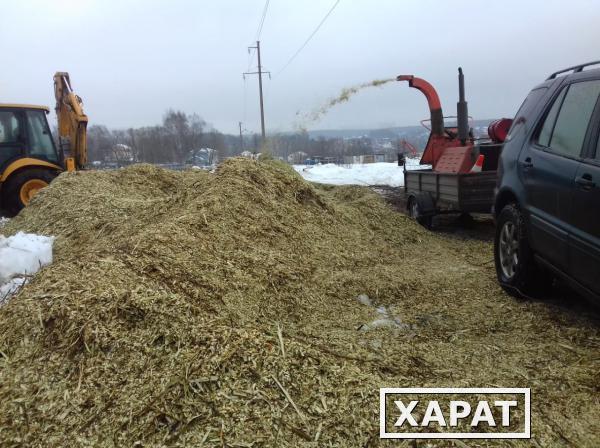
(566, 124)
(525, 110)
(548, 127)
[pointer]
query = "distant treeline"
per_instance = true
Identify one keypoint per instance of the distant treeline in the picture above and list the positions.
(169, 142)
(179, 133)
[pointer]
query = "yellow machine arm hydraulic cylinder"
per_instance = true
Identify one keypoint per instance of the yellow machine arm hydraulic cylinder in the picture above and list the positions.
(72, 123)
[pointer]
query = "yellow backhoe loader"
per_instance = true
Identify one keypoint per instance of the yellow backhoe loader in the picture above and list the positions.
(29, 157)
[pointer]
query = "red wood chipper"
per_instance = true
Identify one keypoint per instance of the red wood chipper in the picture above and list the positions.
(463, 169)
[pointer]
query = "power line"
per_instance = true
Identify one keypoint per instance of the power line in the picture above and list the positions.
(250, 56)
(262, 20)
(309, 37)
(258, 32)
(259, 73)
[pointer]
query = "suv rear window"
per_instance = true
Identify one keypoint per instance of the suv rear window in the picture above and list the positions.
(566, 123)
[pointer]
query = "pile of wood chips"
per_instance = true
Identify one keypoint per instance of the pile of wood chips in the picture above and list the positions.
(220, 309)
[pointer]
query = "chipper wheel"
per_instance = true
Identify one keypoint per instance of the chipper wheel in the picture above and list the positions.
(22, 186)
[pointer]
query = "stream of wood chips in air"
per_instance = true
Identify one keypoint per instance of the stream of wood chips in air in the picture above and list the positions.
(345, 94)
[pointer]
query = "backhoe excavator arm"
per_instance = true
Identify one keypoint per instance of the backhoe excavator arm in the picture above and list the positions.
(72, 123)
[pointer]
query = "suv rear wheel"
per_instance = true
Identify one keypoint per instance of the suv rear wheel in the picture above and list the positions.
(515, 267)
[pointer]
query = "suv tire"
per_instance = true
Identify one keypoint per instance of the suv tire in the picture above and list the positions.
(515, 266)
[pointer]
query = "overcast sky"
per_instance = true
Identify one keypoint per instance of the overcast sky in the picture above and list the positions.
(130, 60)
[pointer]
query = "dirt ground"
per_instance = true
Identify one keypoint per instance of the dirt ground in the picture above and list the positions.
(572, 320)
(223, 311)
(480, 227)
(474, 227)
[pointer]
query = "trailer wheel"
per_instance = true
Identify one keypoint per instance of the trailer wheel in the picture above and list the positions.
(516, 269)
(415, 212)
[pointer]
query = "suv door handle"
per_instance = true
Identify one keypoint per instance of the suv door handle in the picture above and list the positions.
(527, 163)
(585, 181)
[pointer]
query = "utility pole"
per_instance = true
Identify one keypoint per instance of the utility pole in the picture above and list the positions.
(241, 138)
(260, 89)
(262, 107)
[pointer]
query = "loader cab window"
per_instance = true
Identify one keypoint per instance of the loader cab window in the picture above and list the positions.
(10, 128)
(40, 140)
(11, 136)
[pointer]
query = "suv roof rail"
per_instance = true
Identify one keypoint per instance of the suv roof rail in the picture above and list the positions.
(575, 69)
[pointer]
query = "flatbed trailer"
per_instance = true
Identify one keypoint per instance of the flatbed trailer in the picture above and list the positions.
(431, 193)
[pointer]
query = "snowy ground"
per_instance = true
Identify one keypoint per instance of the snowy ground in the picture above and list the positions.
(366, 174)
(21, 255)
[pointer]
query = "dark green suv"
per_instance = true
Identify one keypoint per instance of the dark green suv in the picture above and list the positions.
(547, 203)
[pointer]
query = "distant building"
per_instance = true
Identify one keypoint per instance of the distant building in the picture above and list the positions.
(120, 154)
(297, 157)
(369, 158)
(202, 157)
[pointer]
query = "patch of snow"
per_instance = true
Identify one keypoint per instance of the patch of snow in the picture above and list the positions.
(380, 323)
(3, 221)
(364, 299)
(10, 288)
(381, 173)
(387, 319)
(21, 256)
(210, 168)
(382, 310)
